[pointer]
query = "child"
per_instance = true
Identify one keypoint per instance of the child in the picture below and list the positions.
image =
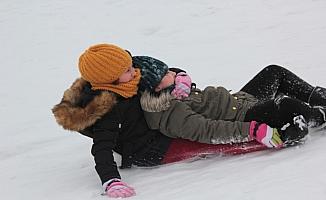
(275, 96)
(104, 105)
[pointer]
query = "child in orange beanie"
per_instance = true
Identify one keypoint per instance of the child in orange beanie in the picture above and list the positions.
(103, 104)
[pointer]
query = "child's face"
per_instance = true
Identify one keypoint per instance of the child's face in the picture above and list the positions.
(127, 76)
(166, 81)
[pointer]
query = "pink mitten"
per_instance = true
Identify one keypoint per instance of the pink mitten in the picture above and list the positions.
(182, 85)
(120, 190)
(265, 135)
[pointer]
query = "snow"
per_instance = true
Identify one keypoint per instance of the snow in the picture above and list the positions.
(218, 42)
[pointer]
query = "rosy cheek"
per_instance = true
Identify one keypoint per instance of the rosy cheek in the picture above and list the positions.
(170, 81)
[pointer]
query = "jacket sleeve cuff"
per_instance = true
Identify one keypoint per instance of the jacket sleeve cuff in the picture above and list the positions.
(105, 185)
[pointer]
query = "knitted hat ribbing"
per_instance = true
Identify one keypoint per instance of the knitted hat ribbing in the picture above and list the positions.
(103, 64)
(152, 71)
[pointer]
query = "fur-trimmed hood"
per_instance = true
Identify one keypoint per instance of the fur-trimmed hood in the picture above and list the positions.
(72, 116)
(155, 103)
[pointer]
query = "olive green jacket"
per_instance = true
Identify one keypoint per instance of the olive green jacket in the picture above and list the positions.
(212, 116)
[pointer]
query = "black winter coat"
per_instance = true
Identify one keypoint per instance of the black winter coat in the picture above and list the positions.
(115, 124)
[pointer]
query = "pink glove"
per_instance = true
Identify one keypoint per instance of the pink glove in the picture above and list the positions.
(182, 86)
(120, 190)
(265, 135)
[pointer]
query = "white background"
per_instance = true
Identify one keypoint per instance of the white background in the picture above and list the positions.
(218, 43)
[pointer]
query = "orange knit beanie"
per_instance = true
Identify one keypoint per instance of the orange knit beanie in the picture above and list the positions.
(103, 63)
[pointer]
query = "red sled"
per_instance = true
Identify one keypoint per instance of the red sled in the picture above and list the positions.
(181, 149)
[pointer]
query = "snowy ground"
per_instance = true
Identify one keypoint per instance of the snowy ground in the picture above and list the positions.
(218, 42)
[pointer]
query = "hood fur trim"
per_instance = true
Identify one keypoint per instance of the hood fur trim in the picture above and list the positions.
(75, 118)
(152, 103)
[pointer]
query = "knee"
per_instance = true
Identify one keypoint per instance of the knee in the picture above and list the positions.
(288, 103)
(283, 100)
(273, 68)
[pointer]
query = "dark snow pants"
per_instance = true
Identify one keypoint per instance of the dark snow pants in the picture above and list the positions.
(282, 95)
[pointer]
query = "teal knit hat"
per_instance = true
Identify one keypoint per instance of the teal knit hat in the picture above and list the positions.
(152, 72)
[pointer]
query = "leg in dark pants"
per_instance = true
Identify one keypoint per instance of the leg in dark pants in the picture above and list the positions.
(276, 113)
(282, 111)
(274, 80)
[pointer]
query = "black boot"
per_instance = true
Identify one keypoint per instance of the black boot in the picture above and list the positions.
(294, 133)
(318, 97)
(318, 117)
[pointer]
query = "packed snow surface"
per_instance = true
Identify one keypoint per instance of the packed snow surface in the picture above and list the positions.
(218, 42)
